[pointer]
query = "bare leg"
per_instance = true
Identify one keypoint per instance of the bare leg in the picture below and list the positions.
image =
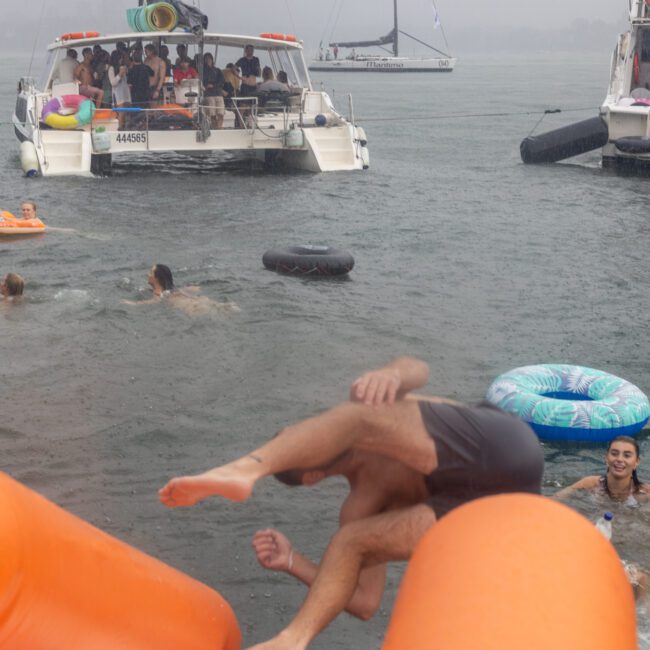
(396, 431)
(366, 542)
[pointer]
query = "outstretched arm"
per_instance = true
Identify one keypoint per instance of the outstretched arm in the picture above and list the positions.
(275, 553)
(393, 381)
(586, 483)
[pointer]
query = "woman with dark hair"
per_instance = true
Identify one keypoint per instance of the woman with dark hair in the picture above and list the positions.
(620, 481)
(117, 75)
(161, 281)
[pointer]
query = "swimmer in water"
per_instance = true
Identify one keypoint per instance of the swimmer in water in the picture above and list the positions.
(620, 481)
(28, 210)
(12, 287)
(161, 281)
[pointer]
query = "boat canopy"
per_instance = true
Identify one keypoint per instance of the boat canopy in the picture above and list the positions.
(174, 38)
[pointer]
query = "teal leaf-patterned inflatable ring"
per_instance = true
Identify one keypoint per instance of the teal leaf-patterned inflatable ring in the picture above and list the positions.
(564, 402)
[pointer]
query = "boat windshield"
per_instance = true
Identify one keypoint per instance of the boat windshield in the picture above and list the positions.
(293, 64)
(53, 57)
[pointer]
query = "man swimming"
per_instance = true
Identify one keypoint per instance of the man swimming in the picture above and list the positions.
(409, 461)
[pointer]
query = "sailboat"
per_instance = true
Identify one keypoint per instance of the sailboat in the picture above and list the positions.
(351, 61)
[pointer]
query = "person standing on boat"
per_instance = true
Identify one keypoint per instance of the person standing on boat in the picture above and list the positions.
(213, 80)
(117, 75)
(139, 79)
(65, 69)
(250, 71)
(158, 68)
(335, 51)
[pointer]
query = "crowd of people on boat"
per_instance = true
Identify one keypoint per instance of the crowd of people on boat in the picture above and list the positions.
(146, 78)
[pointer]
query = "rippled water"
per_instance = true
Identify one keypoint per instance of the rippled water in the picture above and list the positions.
(464, 257)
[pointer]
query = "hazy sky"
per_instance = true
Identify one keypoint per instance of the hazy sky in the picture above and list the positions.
(312, 20)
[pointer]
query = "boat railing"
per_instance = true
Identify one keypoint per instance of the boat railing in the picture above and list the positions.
(248, 114)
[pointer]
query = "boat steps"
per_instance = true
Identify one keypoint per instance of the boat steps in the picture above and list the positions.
(65, 152)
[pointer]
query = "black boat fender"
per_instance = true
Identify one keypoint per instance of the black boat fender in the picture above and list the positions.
(633, 144)
(565, 142)
(308, 260)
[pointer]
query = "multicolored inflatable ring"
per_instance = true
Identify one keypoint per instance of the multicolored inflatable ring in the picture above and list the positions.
(53, 112)
(564, 402)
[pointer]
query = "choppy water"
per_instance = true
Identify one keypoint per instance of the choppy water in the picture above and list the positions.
(464, 257)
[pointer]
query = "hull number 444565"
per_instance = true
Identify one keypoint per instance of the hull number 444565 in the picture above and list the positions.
(131, 138)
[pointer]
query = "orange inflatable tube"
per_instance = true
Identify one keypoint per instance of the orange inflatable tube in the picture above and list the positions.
(9, 225)
(65, 584)
(513, 572)
(103, 114)
(173, 109)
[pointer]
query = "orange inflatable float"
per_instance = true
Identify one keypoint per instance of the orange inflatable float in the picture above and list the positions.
(65, 584)
(9, 225)
(513, 572)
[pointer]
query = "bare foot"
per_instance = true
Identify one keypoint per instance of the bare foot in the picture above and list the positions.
(222, 481)
(280, 642)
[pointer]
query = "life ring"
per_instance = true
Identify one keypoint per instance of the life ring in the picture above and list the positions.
(565, 402)
(73, 36)
(636, 69)
(53, 112)
(9, 225)
(308, 260)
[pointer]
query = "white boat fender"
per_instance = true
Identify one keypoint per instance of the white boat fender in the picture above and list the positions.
(361, 135)
(365, 157)
(29, 159)
(101, 140)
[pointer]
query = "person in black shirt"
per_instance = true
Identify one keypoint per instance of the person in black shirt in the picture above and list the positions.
(250, 70)
(213, 81)
(138, 78)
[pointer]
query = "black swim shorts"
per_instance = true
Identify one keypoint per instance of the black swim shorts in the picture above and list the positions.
(482, 450)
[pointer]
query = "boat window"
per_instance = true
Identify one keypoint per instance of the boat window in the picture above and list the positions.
(293, 64)
(53, 56)
(645, 46)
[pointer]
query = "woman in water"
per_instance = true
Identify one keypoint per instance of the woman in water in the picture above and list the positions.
(12, 287)
(161, 281)
(620, 481)
(28, 210)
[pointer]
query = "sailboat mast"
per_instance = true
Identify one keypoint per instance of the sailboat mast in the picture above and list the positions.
(396, 32)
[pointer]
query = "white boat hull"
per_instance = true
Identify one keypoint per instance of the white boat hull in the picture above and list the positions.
(300, 128)
(626, 109)
(384, 64)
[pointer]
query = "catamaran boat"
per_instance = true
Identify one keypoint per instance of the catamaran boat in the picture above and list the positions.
(61, 133)
(626, 109)
(391, 61)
